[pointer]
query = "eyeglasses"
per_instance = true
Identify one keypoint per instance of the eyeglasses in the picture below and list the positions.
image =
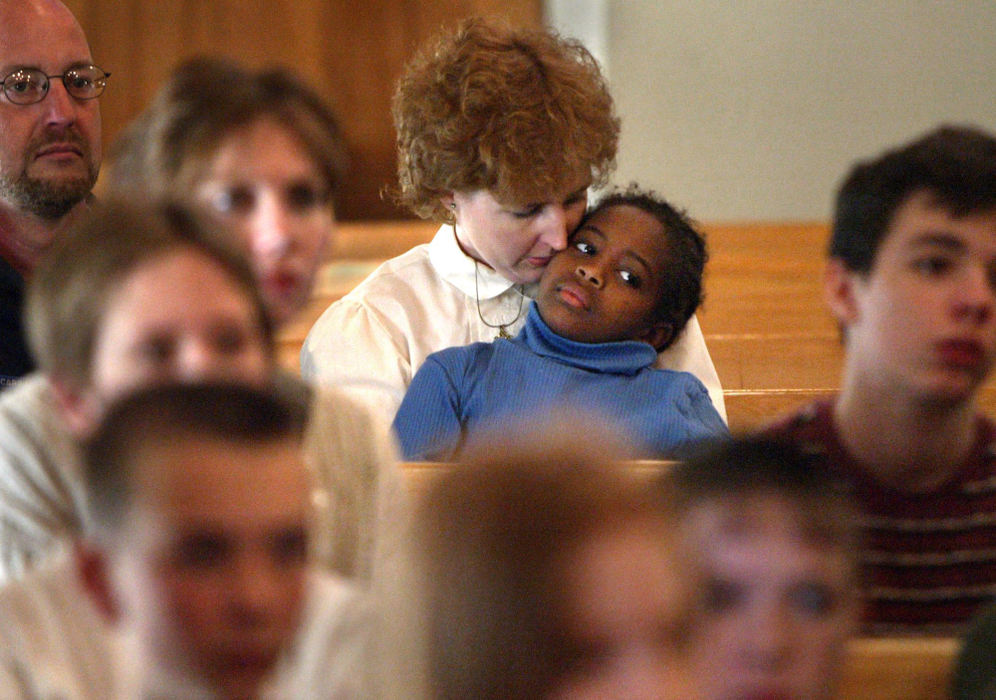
(25, 86)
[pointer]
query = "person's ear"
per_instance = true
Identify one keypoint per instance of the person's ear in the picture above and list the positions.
(77, 405)
(658, 335)
(839, 284)
(449, 203)
(92, 572)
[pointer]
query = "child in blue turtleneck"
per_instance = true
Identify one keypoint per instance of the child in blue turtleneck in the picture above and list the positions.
(622, 291)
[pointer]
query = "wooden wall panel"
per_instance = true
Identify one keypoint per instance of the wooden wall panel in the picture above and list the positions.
(350, 52)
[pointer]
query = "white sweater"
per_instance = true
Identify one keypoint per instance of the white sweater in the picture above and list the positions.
(360, 492)
(55, 644)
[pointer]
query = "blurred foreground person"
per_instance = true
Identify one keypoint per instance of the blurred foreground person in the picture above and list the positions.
(776, 542)
(208, 587)
(132, 296)
(545, 572)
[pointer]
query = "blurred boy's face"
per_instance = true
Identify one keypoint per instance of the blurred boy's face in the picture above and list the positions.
(208, 569)
(265, 185)
(779, 606)
(629, 607)
(606, 285)
(922, 323)
(176, 317)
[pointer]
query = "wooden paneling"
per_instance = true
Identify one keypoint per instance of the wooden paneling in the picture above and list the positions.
(351, 53)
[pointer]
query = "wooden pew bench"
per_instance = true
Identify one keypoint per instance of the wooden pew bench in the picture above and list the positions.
(915, 668)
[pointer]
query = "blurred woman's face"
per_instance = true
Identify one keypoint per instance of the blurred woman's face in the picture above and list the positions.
(263, 183)
(629, 607)
(517, 240)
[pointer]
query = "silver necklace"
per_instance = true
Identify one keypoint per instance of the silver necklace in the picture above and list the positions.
(502, 327)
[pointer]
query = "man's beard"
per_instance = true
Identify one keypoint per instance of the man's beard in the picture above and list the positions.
(53, 197)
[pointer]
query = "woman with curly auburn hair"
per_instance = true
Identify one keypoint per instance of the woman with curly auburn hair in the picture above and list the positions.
(501, 132)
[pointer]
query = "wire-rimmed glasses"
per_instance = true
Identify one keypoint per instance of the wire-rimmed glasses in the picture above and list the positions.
(26, 86)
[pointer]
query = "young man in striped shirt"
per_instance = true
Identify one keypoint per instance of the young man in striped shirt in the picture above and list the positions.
(911, 280)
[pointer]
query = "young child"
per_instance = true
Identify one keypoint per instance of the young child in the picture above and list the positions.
(208, 588)
(910, 281)
(775, 540)
(620, 293)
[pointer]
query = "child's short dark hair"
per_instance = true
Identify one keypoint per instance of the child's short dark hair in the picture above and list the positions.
(177, 411)
(955, 164)
(681, 288)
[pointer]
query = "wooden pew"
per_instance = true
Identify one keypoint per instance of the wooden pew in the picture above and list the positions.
(379, 240)
(899, 668)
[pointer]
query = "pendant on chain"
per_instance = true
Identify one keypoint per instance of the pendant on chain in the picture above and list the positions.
(502, 327)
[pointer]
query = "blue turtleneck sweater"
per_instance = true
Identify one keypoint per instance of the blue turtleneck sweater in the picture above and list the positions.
(463, 390)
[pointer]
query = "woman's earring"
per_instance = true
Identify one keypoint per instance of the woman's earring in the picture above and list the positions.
(453, 206)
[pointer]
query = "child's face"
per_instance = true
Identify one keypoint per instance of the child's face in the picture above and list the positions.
(922, 322)
(264, 184)
(779, 607)
(176, 317)
(209, 577)
(629, 607)
(606, 285)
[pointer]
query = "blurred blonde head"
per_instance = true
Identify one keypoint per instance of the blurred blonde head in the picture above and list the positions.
(543, 563)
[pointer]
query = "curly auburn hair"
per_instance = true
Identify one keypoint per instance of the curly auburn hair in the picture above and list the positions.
(521, 113)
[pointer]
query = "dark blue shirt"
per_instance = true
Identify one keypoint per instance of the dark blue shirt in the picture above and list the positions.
(15, 359)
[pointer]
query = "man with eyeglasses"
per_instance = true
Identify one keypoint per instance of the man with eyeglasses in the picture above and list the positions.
(49, 148)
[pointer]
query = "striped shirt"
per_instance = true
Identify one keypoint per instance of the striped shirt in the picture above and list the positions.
(928, 558)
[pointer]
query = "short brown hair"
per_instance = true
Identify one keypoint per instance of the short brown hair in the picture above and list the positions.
(165, 150)
(491, 539)
(68, 293)
(738, 471)
(519, 112)
(236, 413)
